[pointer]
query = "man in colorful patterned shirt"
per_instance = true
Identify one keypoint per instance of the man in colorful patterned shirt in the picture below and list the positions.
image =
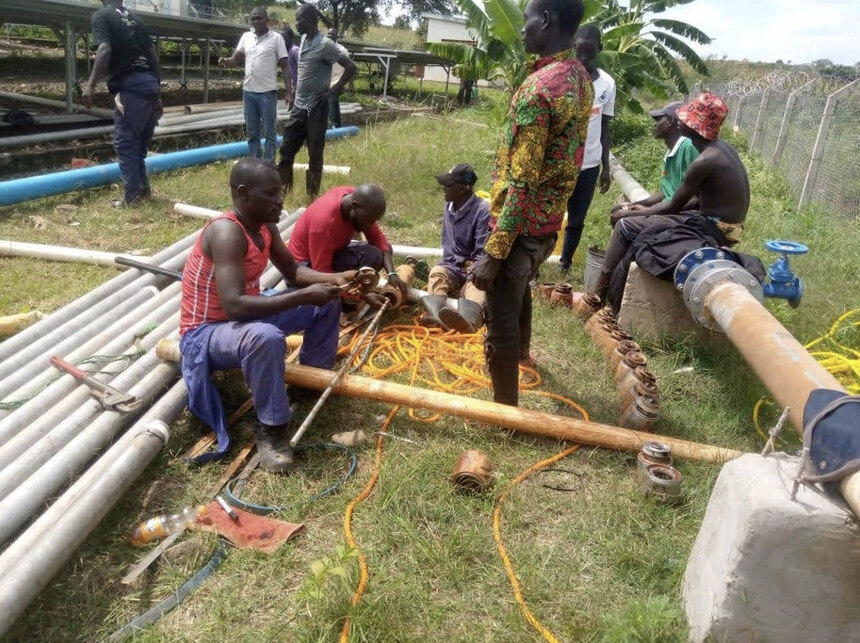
(535, 172)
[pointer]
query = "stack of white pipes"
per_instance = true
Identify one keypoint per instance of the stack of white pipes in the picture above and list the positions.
(60, 428)
(170, 123)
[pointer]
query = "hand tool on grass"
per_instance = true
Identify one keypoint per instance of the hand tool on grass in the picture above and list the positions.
(141, 265)
(111, 399)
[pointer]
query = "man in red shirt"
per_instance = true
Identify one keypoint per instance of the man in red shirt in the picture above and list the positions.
(226, 324)
(323, 236)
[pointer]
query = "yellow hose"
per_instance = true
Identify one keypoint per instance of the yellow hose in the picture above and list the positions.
(843, 362)
(450, 362)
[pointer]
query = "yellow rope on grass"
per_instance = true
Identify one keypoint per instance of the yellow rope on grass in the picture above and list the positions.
(443, 361)
(843, 362)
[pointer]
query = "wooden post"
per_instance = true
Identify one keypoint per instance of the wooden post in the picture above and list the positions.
(820, 140)
(757, 136)
(786, 119)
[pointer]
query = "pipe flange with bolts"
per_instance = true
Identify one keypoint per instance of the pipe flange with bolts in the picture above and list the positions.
(700, 271)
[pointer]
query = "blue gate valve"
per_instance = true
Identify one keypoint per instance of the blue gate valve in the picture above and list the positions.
(783, 282)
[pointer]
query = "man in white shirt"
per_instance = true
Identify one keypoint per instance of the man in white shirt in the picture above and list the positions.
(588, 45)
(263, 51)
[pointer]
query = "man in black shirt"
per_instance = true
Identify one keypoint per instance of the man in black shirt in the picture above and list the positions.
(125, 56)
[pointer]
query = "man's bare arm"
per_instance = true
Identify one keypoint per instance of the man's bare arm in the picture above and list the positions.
(689, 188)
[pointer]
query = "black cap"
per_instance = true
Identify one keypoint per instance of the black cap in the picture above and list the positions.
(669, 110)
(461, 173)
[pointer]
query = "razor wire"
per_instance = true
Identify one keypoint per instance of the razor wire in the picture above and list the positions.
(781, 116)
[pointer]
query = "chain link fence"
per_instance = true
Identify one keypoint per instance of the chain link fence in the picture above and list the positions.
(808, 127)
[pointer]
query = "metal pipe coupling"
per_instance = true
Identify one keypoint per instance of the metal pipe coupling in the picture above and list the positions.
(700, 271)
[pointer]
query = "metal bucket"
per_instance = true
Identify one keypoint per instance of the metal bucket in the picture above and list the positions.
(593, 261)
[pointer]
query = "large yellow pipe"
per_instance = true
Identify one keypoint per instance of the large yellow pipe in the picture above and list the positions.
(509, 417)
(781, 362)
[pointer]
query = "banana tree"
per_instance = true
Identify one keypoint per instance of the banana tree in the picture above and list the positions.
(639, 49)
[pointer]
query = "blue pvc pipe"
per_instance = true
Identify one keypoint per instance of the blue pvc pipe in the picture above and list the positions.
(34, 187)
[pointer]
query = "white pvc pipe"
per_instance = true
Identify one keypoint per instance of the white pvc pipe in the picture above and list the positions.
(327, 169)
(84, 305)
(24, 374)
(207, 213)
(31, 494)
(91, 318)
(28, 574)
(177, 119)
(631, 188)
(60, 400)
(61, 253)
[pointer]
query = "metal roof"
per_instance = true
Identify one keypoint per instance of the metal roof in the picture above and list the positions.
(55, 13)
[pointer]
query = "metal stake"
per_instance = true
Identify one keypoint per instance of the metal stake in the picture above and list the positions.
(310, 416)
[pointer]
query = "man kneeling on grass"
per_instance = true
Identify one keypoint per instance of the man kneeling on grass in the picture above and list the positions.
(226, 324)
(657, 237)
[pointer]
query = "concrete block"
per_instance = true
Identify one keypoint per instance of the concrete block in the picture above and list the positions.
(651, 308)
(764, 568)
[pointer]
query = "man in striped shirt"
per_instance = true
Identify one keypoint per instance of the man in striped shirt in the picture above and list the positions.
(226, 324)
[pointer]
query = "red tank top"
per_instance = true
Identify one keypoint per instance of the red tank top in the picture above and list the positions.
(200, 301)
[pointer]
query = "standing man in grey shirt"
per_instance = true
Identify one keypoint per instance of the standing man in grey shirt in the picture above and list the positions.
(263, 51)
(308, 119)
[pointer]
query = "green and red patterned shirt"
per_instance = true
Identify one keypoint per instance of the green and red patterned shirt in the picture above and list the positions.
(539, 159)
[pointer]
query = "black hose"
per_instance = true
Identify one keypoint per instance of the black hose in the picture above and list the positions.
(148, 267)
(188, 587)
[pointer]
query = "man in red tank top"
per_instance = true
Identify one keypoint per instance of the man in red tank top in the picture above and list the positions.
(226, 324)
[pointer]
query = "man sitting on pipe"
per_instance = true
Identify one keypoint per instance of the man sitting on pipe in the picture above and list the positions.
(323, 236)
(681, 153)
(226, 324)
(465, 228)
(657, 237)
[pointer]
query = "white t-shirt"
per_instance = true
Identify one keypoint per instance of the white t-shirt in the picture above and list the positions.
(604, 105)
(262, 54)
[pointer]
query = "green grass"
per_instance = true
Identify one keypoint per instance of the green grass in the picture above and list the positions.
(598, 563)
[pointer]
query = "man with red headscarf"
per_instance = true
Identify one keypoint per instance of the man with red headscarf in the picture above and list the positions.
(716, 180)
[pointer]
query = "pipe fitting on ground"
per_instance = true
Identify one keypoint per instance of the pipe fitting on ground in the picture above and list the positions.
(700, 271)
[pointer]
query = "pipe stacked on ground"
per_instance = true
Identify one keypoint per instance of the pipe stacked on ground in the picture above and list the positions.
(60, 430)
(34, 187)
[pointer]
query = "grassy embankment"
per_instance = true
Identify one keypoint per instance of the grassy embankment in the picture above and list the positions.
(596, 563)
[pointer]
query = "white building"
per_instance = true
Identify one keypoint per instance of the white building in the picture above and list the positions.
(447, 29)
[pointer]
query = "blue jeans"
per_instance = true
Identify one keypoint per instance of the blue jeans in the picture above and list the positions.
(577, 208)
(259, 349)
(261, 113)
(134, 124)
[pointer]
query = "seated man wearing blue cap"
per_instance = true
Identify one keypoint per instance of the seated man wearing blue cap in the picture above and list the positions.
(465, 228)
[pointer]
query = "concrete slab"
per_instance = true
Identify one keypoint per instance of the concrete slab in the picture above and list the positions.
(764, 568)
(651, 308)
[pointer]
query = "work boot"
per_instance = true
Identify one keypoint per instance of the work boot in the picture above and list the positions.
(312, 183)
(468, 318)
(274, 448)
(432, 304)
(505, 375)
